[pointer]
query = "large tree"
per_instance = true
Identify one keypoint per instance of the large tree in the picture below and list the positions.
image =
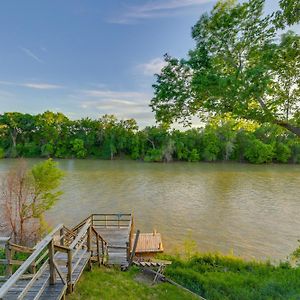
(238, 66)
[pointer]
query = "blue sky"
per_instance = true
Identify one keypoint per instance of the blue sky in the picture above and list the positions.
(89, 58)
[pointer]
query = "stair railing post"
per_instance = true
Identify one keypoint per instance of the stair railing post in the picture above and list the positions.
(128, 250)
(98, 250)
(8, 255)
(51, 262)
(89, 245)
(62, 238)
(103, 252)
(69, 276)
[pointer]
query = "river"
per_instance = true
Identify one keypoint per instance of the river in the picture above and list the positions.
(250, 210)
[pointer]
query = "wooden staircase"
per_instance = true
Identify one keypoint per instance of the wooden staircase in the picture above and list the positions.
(56, 263)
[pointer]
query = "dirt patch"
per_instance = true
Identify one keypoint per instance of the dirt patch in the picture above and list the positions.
(145, 278)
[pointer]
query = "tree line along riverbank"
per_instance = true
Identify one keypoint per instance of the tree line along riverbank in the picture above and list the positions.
(221, 139)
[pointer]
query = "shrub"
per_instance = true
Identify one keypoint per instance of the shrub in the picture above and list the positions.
(259, 152)
(155, 155)
(282, 152)
(2, 153)
(194, 155)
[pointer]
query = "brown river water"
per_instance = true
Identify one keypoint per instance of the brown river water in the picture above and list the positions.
(250, 210)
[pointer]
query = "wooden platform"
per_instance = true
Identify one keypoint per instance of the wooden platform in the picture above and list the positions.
(148, 243)
(118, 240)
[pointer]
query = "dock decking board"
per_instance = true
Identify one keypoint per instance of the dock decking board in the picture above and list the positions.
(148, 242)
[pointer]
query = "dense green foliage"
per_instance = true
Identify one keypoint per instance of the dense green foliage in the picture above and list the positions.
(238, 66)
(110, 283)
(54, 135)
(220, 277)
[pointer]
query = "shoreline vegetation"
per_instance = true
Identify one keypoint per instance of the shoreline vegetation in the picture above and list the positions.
(212, 276)
(222, 139)
(209, 275)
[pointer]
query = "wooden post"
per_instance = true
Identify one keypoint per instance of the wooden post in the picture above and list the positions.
(69, 277)
(131, 232)
(98, 250)
(62, 238)
(8, 254)
(89, 245)
(102, 248)
(51, 261)
(134, 248)
(128, 251)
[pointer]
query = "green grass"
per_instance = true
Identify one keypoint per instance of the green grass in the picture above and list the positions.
(110, 283)
(224, 277)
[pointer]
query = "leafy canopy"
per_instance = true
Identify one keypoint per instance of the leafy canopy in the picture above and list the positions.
(46, 179)
(236, 67)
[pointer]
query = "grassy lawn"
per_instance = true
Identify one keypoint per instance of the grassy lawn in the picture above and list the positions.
(224, 277)
(110, 283)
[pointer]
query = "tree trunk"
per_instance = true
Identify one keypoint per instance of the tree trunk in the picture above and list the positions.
(291, 128)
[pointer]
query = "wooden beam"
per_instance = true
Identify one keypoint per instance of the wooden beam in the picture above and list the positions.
(61, 248)
(134, 248)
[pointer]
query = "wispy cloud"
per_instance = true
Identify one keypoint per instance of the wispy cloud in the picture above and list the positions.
(123, 104)
(29, 53)
(152, 67)
(33, 85)
(41, 86)
(111, 95)
(154, 9)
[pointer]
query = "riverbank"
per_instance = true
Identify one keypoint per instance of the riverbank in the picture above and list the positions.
(214, 277)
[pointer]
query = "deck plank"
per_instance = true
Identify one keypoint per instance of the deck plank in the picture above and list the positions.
(148, 243)
(118, 237)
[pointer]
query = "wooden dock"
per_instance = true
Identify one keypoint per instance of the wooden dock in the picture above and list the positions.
(56, 263)
(148, 243)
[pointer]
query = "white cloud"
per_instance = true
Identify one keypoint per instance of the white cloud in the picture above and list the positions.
(29, 53)
(152, 67)
(41, 86)
(123, 104)
(116, 95)
(33, 85)
(153, 9)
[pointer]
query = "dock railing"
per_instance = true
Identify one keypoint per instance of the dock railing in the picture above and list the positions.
(111, 220)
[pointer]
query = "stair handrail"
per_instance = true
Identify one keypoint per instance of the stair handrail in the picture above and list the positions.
(45, 242)
(79, 225)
